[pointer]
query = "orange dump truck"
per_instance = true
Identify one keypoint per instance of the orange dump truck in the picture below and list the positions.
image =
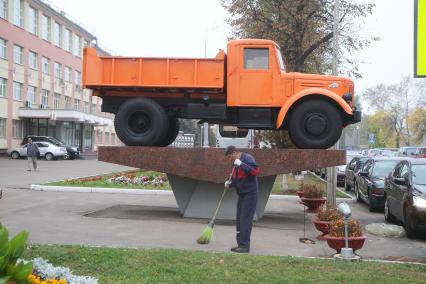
(247, 87)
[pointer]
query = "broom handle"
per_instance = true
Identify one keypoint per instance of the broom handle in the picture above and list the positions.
(223, 194)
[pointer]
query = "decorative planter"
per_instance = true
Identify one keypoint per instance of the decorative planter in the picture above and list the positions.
(322, 226)
(338, 243)
(313, 203)
(300, 193)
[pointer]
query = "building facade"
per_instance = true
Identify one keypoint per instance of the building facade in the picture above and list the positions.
(40, 79)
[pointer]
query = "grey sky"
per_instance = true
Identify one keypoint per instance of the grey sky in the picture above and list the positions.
(170, 28)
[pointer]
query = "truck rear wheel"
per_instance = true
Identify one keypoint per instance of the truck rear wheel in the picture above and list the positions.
(315, 124)
(141, 122)
(172, 133)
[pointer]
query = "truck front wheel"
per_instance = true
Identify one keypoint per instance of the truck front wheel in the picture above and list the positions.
(141, 122)
(315, 124)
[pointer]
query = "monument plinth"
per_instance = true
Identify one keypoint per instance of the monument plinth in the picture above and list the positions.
(197, 174)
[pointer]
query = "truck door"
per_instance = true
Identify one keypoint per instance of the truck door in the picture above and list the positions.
(255, 82)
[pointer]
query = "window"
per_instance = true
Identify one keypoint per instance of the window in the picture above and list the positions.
(58, 70)
(280, 59)
(18, 13)
(57, 100)
(77, 78)
(31, 94)
(76, 104)
(3, 9)
(112, 138)
(57, 34)
(99, 137)
(17, 54)
(45, 65)
(33, 21)
(67, 102)
(67, 74)
(68, 40)
(45, 27)
(256, 58)
(32, 60)
(44, 98)
(86, 107)
(77, 41)
(2, 127)
(93, 108)
(3, 44)
(18, 129)
(3, 83)
(107, 138)
(17, 91)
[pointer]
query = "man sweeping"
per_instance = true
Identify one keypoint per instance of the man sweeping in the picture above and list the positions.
(244, 179)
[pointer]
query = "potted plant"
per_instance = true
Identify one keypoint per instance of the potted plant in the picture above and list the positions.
(300, 192)
(313, 197)
(325, 215)
(336, 236)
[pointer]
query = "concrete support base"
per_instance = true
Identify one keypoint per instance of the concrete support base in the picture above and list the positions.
(199, 199)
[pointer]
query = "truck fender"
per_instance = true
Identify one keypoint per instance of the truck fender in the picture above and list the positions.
(311, 92)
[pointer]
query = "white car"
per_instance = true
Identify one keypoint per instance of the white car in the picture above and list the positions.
(47, 150)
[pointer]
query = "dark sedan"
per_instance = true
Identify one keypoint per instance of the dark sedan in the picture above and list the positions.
(405, 192)
(352, 169)
(369, 185)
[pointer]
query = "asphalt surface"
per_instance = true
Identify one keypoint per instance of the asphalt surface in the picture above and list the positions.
(126, 220)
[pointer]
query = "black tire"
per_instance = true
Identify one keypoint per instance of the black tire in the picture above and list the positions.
(141, 122)
(315, 124)
(172, 133)
(371, 206)
(409, 230)
(388, 216)
(347, 187)
(357, 195)
(49, 156)
(15, 155)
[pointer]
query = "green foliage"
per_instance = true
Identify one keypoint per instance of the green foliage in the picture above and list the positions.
(10, 251)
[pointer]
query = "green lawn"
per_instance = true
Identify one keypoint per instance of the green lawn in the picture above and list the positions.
(293, 185)
(112, 265)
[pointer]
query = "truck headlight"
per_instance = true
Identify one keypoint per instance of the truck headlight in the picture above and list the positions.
(419, 202)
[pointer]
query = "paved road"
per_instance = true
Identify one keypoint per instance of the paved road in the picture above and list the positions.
(120, 220)
(13, 173)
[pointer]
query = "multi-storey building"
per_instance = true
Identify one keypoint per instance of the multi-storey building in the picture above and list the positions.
(40, 79)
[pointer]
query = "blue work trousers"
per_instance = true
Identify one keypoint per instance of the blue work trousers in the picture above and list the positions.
(246, 207)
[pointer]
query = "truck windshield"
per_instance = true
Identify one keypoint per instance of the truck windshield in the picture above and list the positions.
(280, 59)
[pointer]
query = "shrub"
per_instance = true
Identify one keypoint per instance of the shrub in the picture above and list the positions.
(337, 228)
(311, 190)
(326, 213)
(12, 269)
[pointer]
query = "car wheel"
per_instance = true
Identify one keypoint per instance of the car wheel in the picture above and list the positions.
(49, 156)
(388, 216)
(15, 155)
(357, 195)
(347, 186)
(371, 206)
(408, 225)
(315, 124)
(141, 122)
(66, 157)
(172, 133)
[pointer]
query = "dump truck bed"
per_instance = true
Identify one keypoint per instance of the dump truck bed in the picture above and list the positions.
(137, 72)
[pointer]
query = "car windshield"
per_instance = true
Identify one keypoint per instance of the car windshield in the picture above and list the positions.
(383, 168)
(419, 176)
(56, 141)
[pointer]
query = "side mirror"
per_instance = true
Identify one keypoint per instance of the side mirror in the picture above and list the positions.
(363, 174)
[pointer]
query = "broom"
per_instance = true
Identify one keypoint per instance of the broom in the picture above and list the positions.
(207, 233)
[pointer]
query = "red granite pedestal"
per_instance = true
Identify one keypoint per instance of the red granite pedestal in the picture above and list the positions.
(197, 174)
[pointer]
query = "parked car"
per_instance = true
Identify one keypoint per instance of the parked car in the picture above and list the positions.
(369, 184)
(405, 193)
(73, 151)
(408, 151)
(421, 152)
(47, 150)
(352, 170)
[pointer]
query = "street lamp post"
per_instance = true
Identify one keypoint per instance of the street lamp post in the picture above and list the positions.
(331, 172)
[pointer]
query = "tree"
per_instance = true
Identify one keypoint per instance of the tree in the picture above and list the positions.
(417, 122)
(380, 125)
(304, 31)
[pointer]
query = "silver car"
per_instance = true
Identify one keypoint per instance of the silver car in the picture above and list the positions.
(47, 150)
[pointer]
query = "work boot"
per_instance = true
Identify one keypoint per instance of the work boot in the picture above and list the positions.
(240, 250)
